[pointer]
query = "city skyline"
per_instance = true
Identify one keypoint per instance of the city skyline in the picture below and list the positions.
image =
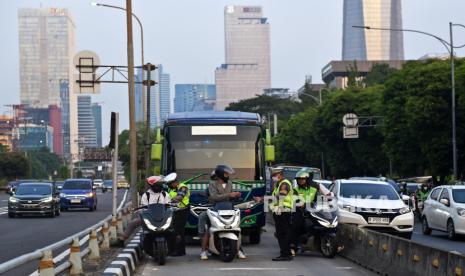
(300, 44)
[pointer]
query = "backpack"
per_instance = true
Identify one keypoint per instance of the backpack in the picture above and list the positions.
(147, 194)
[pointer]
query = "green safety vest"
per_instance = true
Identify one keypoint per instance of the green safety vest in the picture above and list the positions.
(288, 201)
(423, 195)
(185, 200)
(308, 194)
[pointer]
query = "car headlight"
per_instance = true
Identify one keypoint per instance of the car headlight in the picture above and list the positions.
(461, 212)
(246, 205)
(13, 199)
(404, 210)
(90, 195)
(47, 199)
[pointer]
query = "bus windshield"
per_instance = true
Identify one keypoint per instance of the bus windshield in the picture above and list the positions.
(192, 150)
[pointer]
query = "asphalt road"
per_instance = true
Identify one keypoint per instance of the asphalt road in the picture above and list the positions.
(26, 234)
(258, 262)
(438, 240)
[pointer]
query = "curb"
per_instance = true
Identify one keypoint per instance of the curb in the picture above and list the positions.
(126, 261)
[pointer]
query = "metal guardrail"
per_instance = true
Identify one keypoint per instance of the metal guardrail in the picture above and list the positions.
(76, 241)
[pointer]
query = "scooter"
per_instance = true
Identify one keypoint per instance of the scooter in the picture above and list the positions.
(320, 231)
(224, 231)
(156, 224)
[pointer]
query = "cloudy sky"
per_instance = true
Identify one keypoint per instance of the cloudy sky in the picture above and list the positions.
(186, 36)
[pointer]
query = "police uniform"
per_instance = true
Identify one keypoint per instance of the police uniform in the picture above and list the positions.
(177, 243)
(298, 222)
(282, 217)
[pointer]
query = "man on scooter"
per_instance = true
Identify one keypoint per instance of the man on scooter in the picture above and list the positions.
(179, 194)
(219, 191)
(154, 194)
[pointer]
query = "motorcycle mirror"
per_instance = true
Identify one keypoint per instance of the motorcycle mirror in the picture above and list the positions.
(170, 177)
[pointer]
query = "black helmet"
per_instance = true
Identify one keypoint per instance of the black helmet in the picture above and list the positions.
(221, 170)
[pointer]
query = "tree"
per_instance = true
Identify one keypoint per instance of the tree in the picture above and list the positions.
(13, 165)
(378, 74)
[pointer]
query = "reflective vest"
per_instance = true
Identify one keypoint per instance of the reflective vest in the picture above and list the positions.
(308, 194)
(423, 195)
(185, 200)
(288, 201)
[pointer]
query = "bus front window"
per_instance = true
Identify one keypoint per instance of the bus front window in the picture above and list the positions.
(191, 152)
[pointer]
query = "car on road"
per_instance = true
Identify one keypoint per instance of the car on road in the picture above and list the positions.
(382, 178)
(107, 185)
(444, 210)
(78, 193)
(122, 184)
(34, 198)
(12, 185)
(98, 183)
(373, 205)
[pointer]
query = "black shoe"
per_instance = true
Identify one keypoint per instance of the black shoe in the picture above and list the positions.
(282, 258)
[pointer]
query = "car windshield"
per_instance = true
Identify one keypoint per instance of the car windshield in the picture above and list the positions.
(76, 185)
(458, 195)
(107, 182)
(236, 146)
(33, 190)
(368, 191)
(290, 172)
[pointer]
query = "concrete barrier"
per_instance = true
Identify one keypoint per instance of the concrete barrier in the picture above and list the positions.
(391, 255)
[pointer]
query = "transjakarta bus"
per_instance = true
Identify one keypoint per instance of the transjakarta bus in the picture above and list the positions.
(192, 144)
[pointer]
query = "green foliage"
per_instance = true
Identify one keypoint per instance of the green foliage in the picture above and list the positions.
(43, 163)
(378, 75)
(13, 165)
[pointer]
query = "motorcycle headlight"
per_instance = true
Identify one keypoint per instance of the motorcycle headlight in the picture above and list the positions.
(404, 210)
(149, 225)
(461, 212)
(167, 224)
(246, 205)
(47, 199)
(13, 199)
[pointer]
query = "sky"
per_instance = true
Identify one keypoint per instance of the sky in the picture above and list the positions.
(187, 37)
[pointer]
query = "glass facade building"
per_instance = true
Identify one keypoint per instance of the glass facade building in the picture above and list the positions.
(97, 114)
(87, 134)
(160, 97)
(362, 44)
(194, 97)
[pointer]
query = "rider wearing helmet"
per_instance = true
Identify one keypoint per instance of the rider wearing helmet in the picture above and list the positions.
(180, 194)
(153, 195)
(219, 190)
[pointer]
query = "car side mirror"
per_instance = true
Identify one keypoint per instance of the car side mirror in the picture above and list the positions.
(445, 201)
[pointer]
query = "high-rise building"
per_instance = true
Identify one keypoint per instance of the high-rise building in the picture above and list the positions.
(46, 50)
(160, 97)
(87, 134)
(35, 137)
(97, 114)
(65, 122)
(139, 94)
(194, 97)
(362, 44)
(246, 71)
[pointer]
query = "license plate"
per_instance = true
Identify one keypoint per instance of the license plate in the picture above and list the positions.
(378, 220)
(226, 212)
(75, 201)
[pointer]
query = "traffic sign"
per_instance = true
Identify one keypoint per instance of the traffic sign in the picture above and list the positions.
(350, 120)
(86, 63)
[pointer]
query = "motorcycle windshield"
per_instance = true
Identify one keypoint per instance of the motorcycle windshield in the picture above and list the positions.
(156, 212)
(224, 206)
(329, 216)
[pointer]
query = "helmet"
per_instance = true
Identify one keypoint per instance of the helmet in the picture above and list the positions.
(213, 175)
(276, 170)
(221, 170)
(154, 179)
(302, 174)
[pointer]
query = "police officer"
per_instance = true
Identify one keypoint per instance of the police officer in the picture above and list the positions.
(282, 209)
(179, 194)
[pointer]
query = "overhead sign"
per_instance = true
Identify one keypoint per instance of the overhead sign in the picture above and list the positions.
(350, 132)
(86, 82)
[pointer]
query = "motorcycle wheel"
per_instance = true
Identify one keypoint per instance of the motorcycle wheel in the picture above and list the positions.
(228, 250)
(159, 251)
(328, 246)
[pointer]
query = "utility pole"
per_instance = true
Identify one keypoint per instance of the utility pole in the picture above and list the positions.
(114, 134)
(452, 66)
(148, 83)
(132, 113)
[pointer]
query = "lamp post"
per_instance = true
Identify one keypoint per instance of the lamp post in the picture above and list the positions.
(450, 48)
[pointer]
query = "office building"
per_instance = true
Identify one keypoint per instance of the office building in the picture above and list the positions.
(139, 95)
(46, 50)
(246, 71)
(97, 114)
(6, 131)
(160, 97)
(362, 44)
(194, 97)
(35, 137)
(87, 132)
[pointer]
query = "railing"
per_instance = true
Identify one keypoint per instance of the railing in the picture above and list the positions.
(98, 237)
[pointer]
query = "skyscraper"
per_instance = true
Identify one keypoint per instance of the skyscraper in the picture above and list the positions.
(361, 44)
(87, 134)
(97, 114)
(160, 97)
(139, 94)
(194, 97)
(46, 49)
(246, 71)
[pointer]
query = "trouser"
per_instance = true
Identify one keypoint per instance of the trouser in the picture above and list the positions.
(203, 222)
(176, 243)
(298, 226)
(283, 232)
(131, 226)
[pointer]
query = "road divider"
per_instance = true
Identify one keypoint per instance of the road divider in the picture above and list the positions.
(391, 255)
(97, 233)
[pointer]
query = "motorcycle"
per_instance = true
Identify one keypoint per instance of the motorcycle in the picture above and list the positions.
(157, 228)
(225, 231)
(320, 231)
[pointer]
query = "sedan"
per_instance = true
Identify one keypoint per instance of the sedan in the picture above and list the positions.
(444, 210)
(107, 185)
(373, 205)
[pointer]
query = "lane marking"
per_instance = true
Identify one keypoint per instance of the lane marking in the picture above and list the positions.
(249, 268)
(344, 267)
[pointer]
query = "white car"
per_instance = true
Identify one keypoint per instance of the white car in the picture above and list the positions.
(98, 183)
(444, 210)
(373, 205)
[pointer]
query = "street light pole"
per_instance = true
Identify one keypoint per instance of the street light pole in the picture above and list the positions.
(450, 48)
